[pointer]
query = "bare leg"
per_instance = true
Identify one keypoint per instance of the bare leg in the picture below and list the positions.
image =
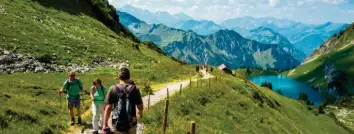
(78, 112)
(71, 111)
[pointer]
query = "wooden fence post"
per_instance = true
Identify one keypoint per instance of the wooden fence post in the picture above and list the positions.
(180, 89)
(193, 127)
(165, 116)
(190, 83)
(168, 94)
(209, 82)
(197, 83)
(149, 102)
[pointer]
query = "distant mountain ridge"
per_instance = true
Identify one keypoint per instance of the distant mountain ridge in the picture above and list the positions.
(202, 27)
(230, 48)
(268, 36)
(155, 18)
(305, 37)
(224, 46)
(248, 22)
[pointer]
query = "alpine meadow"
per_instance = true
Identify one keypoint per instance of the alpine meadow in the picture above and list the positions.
(194, 73)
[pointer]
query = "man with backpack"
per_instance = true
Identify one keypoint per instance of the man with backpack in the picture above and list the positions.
(124, 98)
(72, 87)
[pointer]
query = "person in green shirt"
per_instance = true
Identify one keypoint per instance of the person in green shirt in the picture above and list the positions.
(72, 87)
(98, 93)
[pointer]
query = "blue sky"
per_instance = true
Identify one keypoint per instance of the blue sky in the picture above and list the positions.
(307, 11)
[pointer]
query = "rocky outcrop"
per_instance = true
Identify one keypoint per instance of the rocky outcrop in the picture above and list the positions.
(343, 115)
(2, 10)
(14, 63)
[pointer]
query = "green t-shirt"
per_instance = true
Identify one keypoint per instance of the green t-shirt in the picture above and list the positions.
(98, 95)
(74, 88)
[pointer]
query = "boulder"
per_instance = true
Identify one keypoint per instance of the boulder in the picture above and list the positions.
(39, 69)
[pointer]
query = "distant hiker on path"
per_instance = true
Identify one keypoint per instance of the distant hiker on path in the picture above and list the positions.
(97, 93)
(72, 88)
(124, 98)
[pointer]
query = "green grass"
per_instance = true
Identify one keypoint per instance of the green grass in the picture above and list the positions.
(230, 107)
(66, 29)
(30, 94)
(340, 53)
(34, 30)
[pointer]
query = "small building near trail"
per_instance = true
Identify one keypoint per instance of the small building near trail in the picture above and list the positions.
(226, 69)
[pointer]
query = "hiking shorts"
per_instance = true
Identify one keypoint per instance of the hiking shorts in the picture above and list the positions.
(74, 103)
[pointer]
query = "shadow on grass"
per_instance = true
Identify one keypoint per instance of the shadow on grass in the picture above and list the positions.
(99, 9)
(73, 7)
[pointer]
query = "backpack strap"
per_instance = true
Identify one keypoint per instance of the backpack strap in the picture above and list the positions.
(67, 84)
(121, 89)
(76, 82)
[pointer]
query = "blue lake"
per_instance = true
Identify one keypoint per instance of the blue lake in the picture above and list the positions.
(289, 87)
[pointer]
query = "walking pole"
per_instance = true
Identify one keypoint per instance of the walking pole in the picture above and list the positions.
(60, 101)
(60, 106)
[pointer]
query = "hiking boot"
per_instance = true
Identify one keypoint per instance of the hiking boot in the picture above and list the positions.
(72, 122)
(79, 121)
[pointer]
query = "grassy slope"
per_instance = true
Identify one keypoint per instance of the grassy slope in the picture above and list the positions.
(229, 107)
(65, 30)
(29, 102)
(28, 27)
(342, 57)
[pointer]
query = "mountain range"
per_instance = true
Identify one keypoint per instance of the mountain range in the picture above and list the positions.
(230, 48)
(304, 37)
(268, 36)
(223, 47)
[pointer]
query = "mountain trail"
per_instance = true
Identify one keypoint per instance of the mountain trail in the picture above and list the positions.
(161, 94)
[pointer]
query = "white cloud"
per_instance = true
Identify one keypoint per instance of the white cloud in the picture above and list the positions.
(334, 1)
(273, 2)
(178, 0)
(299, 3)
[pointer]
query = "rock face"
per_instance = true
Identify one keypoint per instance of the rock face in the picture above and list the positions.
(13, 63)
(344, 115)
(230, 48)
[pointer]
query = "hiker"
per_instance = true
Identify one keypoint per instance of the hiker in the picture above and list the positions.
(123, 100)
(97, 93)
(72, 87)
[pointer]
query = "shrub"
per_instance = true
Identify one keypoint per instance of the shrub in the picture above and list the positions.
(147, 89)
(321, 107)
(303, 96)
(267, 85)
(49, 59)
(279, 92)
(339, 82)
